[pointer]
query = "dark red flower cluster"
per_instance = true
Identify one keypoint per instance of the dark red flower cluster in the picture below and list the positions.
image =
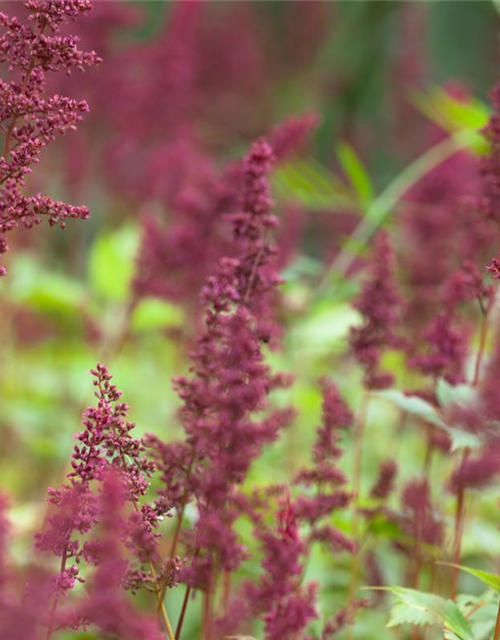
(380, 306)
(29, 118)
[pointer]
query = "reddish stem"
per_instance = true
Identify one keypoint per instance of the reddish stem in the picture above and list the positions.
(496, 635)
(183, 613)
(50, 626)
(457, 545)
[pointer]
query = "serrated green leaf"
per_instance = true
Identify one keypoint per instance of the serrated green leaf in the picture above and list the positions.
(491, 579)
(356, 173)
(455, 620)
(405, 614)
(434, 606)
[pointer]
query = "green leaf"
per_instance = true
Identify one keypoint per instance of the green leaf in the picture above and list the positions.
(455, 620)
(51, 293)
(461, 439)
(453, 114)
(356, 172)
(111, 263)
(461, 394)
(491, 579)
(310, 184)
(404, 614)
(152, 313)
(429, 607)
(413, 405)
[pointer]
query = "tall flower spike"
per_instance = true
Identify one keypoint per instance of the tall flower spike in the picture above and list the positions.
(104, 445)
(229, 384)
(325, 477)
(29, 118)
(380, 307)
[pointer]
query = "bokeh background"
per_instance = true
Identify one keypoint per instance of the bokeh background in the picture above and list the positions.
(183, 89)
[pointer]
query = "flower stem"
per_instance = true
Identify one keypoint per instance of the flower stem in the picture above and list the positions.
(496, 635)
(457, 543)
(482, 343)
(50, 626)
(187, 593)
(356, 485)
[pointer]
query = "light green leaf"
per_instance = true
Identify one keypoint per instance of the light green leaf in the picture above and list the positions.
(455, 620)
(461, 439)
(112, 263)
(434, 607)
(49, 292)
(454, 114)
(491, 579)
(413, 405)
(461, 394)
(356, 173)
(311, 185)
(404, 614)
(152, 313)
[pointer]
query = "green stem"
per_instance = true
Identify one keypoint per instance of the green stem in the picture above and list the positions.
(380, 208)
(482, 343)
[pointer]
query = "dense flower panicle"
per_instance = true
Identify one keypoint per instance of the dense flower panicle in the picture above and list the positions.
(384, 485)
(490, 164)
(106, 606)
(333, 538)
(292, 615)
(447, 352)
(28, 117)
(489, 398)
(105, 444)
(494, 268)
(419, 520)
(325, 477)
(291, 135)
(380, 306)
(466, 284)
(285, 605)
(447, 335)
(441, 230)
(229, 383)
(477, 472)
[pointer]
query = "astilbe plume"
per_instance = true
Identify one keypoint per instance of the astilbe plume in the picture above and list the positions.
(380, 306)
(197, 198)
(419, 520)
(325, 477)
(478, 469)
(490, 164)
(106, 606)
(29, 118)
(229, 383)
(384, 484)
(104, 446)
(280, 597)
(447, 335)
(286, 605)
